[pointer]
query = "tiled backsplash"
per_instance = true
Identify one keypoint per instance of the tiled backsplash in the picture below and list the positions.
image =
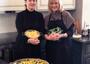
(7, 23)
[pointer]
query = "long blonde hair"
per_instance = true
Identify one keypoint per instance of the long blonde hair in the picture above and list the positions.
(60, 5)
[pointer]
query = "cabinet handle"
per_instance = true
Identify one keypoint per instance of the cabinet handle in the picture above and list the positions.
(10, 11)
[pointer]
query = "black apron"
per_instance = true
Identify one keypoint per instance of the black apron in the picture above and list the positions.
(56, 50)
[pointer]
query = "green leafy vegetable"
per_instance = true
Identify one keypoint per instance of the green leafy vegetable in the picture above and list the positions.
(55, 30)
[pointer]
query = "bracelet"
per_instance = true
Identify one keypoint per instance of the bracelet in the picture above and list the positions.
(65, 35)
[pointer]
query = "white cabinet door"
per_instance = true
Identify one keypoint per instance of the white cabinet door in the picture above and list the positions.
(42, 5)
(6, 5)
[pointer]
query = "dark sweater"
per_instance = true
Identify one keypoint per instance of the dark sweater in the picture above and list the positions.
(28, 20)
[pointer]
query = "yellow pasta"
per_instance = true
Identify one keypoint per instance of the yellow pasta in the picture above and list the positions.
(32, 34)
(30, 61)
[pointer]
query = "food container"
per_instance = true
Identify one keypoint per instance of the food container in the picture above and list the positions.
(30, 61)
(32, 33)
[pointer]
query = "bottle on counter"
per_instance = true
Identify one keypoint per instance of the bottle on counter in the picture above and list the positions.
(86, 31)
(89, 33)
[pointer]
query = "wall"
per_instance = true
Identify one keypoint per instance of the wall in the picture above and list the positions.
(78, 12)
(86, 14)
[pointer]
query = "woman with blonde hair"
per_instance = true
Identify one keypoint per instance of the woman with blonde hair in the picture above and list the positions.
(59, 25)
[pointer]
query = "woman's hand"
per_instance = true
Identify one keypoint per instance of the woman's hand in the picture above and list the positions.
(47, 37)
(54, 36)
(34, 41)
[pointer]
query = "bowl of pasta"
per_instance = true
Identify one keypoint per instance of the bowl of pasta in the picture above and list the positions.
(32, 33)
(30, 61)
(77, 36)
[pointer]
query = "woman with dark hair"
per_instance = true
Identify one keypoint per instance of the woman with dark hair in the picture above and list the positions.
(29, 19)
(59, 24)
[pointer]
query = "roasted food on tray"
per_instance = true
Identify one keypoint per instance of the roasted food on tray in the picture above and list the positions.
(30, 61)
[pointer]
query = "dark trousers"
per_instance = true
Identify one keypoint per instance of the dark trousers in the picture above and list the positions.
(26, 51)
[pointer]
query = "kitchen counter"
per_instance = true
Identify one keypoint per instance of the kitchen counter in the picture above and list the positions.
(83, 40)
(6, 38)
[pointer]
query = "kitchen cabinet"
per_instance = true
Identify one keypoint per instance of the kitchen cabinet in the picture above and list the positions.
(81, 51)
(11, 5)
(7, 41)
(42, 5)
